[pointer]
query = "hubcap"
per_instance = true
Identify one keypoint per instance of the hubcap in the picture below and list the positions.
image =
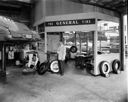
(55, 67)
(105, 67)
(116, 65)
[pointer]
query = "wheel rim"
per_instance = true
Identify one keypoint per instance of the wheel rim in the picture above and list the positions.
(54, 66)
(105, 67)
(116, 65)
(73, 49)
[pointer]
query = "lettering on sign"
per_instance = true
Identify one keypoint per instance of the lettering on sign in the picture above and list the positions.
(70, 22)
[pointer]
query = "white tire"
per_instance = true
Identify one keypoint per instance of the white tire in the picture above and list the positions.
(54, 66)
(105, 68)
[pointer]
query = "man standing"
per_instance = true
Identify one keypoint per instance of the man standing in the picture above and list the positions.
(61, 56)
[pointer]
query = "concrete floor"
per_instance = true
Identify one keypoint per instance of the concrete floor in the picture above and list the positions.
(75, 86)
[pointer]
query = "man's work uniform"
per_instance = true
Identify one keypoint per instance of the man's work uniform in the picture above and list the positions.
(61, 57)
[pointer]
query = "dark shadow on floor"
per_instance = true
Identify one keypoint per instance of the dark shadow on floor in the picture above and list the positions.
(70, 68)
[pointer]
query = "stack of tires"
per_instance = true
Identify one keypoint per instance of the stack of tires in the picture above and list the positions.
(105, 67)
(51, 65)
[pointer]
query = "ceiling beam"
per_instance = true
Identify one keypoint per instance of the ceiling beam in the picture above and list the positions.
(114, 5)
(112, 2)
(9, 5)
(121, 4)
(98, 5)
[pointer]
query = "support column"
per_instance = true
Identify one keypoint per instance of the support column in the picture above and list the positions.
(46, 43)
(3, 66)
(122, 43)
(75, 39)
(80, 42)
(95, 53)
(44, 18)
(96, 69)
